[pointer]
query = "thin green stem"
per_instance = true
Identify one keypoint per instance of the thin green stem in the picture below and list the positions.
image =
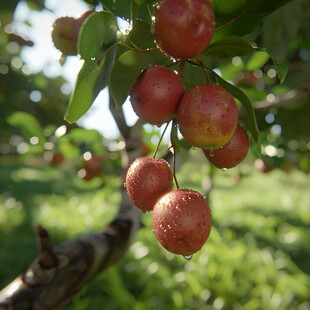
(204, 69)
(174, 123)
(159, 142)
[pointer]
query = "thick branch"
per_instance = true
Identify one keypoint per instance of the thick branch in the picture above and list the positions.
(59, 272)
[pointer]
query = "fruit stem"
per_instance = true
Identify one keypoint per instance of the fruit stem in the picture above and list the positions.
(161, 137)
(204, 68)
(230, 22)
(174, 124)
(181, 68)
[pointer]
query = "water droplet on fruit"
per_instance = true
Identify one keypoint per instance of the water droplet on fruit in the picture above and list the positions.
(153, 231)
(188, 257)
(223, 169)
(124, 184)
(193, 148)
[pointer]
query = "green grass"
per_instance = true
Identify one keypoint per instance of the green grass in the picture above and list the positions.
(257, 256)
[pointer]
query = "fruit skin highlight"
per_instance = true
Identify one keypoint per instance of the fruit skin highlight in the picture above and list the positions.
(183, 29)
(147, 180)
(182, 221)
(232, 153)
(156, 94)
(207, 116)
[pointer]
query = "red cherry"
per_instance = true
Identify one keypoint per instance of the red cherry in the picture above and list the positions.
(182, 221)
(183, 29)
(231, 154)
(207, 116)
(156, 95)
(147, 180)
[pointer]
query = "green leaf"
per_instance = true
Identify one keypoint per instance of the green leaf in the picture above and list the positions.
(246, 103)
(84, 135)
(245, 14)
(141, 36)
(97, 34)
(229, 47)
(281, 69)
(280, 29)
(90, 80)
(126, 70)
(128, 9)
(96, 45)
(28, 124)
(235, 46)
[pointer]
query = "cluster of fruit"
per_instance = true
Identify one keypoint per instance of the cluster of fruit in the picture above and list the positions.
(207, 116)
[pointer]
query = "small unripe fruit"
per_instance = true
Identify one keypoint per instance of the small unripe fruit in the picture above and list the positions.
(156, 94)
(232, 153)
(147, 180)
(182, 221)
(183, 29)
(207, 116)
(62, 35)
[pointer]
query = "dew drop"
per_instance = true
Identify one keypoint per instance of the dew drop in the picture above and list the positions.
(223, 169)
(93, 58)
(124, 184)
(193, 148)
(188, 257)
(153, 231)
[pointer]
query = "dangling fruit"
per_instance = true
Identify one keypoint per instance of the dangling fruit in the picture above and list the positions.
(207, 116)
(156, 95)
(147, 180)
(232, 153)
(182, 221)
(183, 29)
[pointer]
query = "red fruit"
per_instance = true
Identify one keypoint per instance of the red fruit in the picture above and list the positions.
(78, 23)
(156, 95)
(62, 35)
(93, 167)
(207, 116)
(262, 165)
(57, 159)
(182, 221)
(147, 180)
(232, 153)
(183, 29)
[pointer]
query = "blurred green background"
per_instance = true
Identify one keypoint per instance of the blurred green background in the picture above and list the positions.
(67, 179)
(257, 256)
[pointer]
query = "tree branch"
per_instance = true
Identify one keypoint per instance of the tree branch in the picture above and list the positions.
(59, 272)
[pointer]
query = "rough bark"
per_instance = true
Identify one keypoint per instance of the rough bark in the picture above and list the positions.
(59, 272)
